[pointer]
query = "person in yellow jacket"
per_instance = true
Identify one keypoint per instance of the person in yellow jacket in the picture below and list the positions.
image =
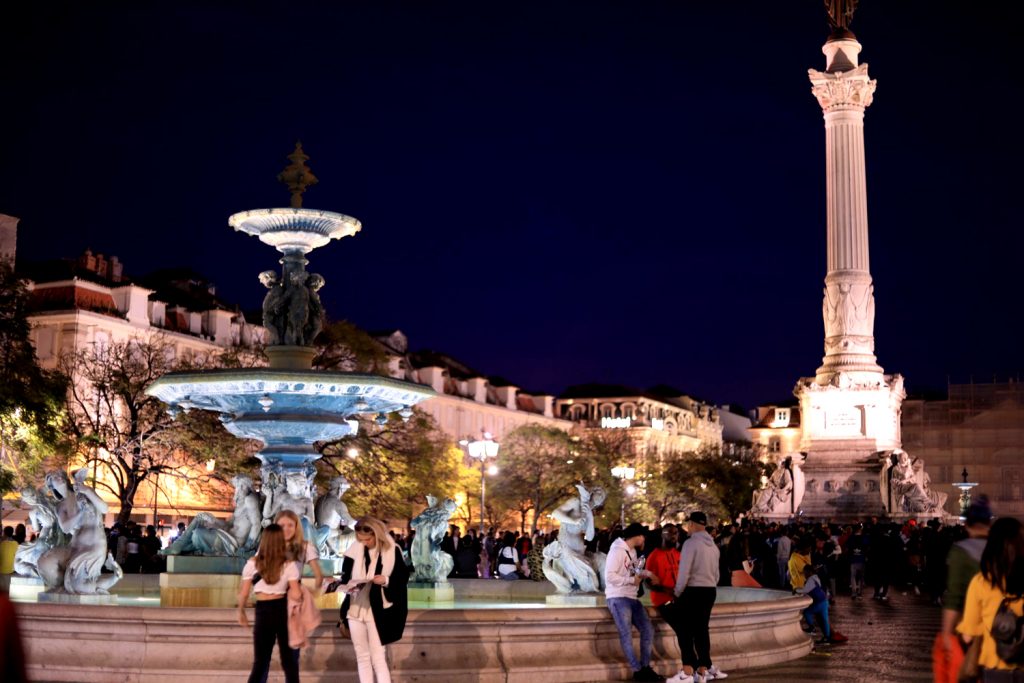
(999, 579)
(800, 558)
(8, 549)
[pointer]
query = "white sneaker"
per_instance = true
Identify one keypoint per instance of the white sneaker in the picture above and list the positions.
(699, 677)
(680, 678)
(715, 674)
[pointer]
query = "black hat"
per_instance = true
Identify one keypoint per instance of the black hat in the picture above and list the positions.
(634, 529)
(698, 517)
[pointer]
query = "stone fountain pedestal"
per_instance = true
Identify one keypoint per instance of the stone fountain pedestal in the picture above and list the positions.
(212, 581)
(434, 594)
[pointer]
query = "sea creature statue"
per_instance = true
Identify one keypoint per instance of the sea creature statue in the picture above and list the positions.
(292, 495)
(205, 535)
(42, 517)
(273, 306)
(566, 564)
(430, 563)
(333, 535)
(245, 524)
(784, 491)
(292, 311)
(77, 567)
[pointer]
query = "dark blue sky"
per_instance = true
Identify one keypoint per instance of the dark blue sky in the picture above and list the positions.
(558, 192)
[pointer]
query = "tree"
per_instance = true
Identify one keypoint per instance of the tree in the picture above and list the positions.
(392, 467)
(343, 346)
(31, 399)
(679, 482)
(128, 437)
(535, 474)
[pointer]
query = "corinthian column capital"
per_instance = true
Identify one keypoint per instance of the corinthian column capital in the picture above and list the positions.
(852, 89)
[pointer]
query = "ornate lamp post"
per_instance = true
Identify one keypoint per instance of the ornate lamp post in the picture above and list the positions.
(481, 450)
(965, 493)
(624, 473)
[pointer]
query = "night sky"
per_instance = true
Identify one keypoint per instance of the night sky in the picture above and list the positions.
(556, 192)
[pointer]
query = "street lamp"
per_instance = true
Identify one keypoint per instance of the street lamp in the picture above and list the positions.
(624, 473)
(481, 449)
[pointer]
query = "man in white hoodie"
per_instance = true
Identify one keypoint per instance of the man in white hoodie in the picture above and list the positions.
(695, 596)
(623, 574)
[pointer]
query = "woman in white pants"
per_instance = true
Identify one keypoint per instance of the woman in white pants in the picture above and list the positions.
(377, 604)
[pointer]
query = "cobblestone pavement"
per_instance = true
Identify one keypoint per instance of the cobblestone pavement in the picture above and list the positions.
(889, 641)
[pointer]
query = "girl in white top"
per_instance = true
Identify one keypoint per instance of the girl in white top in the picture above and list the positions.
(300, 550)
(274, 579)
(508, 558)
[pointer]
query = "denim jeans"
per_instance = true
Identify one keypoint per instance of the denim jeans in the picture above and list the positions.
(627, 613)
(819, 609)
(856, 577)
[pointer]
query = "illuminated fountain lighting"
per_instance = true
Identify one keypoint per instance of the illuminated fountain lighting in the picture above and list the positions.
(289, 407)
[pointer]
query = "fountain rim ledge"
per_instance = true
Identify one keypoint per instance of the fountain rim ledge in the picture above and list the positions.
(172, 380)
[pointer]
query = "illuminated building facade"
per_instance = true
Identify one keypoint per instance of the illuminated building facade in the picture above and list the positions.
(661, 419)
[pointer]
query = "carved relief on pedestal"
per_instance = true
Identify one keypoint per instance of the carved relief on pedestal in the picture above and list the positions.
(845, 89)
(848, 309)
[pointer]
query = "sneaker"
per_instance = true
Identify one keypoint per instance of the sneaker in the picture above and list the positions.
(681, 678)
(715, 674)
(698, 677)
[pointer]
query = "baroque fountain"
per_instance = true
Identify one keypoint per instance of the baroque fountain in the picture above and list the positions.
(491, 631)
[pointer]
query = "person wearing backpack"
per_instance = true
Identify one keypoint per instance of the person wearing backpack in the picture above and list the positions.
(997, 592)
(962, 565)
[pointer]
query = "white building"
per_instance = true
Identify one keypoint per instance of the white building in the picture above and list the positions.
(90, 301)
(661, 420)
(467, 402)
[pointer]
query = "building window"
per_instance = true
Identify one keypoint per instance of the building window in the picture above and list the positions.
(774, 445)
(1012, 489)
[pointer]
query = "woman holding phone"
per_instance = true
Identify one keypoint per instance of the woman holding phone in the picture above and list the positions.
(375, 578)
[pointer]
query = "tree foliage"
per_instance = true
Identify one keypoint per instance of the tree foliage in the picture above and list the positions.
(395, 465)
(679, 482)
(343, 346)
(540, 466)
(128, 436)
(31, 399)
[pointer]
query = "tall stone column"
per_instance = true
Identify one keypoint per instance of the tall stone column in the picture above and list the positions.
(844, 91)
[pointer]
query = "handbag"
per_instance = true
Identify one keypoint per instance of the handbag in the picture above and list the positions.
(969, 667)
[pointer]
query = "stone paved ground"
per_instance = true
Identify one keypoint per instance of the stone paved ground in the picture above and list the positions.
(889, 641)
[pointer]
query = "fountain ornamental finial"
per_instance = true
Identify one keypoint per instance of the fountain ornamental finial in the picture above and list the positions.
(297, 175)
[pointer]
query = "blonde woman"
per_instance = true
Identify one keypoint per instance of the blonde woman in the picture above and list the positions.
(274, 579)
(300, 550)
(376, 605)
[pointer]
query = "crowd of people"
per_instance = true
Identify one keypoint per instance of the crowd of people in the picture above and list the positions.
(975, 571)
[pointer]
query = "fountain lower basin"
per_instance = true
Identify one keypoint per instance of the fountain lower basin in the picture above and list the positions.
(495, 632)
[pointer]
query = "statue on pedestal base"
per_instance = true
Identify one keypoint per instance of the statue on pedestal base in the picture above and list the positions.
(430, 563)
(566, 564)
(77, 567)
